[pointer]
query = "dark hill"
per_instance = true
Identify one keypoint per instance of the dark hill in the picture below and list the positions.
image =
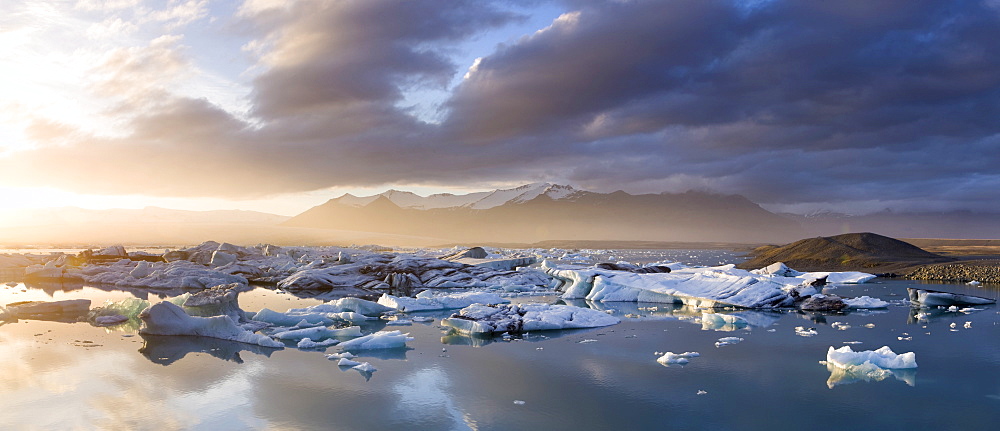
(853, 251)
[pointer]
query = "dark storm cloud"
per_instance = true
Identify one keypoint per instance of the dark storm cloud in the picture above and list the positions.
(783, 101)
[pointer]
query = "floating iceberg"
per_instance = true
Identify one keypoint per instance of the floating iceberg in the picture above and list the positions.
(937, 298)
(671, 358)
(883, 357)
(169, 319)
(378, 340)
(427, 300)
(847, 366)
(865, 302)
(722, 322)
(67, 308)
(721, 286)
(486, 319)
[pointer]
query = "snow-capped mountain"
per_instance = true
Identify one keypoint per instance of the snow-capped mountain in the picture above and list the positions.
(478, 200)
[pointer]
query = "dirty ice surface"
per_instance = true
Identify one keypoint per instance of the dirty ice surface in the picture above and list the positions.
(67, 372)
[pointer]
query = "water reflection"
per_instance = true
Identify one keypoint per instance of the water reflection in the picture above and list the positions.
(918, 315)
(868, 373)
(427, 396)
(167, 349)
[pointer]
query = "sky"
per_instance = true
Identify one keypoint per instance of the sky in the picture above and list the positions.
(278, 105)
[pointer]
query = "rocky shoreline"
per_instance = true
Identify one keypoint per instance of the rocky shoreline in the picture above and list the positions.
(986, 271)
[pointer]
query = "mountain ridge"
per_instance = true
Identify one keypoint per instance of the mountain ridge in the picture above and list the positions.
(544, 211)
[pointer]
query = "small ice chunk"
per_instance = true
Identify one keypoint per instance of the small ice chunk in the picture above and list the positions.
(306, 343)
(344, 362)
(973, 283)
(341, 355)
(702, 392)
(671, 358)
(840, 326)
(865, 302)
(725, 341)
(967, 325)
(110, 320)
(519, 402)
(805, 332)
(365, 367)
(399, 322)
(422, 319)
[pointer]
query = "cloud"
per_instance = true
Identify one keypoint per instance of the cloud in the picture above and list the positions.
(784, 102)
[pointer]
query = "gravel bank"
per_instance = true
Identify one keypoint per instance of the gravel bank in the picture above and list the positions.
(986, 271)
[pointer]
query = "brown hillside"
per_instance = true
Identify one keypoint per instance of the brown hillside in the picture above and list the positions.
(849, 252)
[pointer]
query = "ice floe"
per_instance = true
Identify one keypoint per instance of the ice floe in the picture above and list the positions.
(519, 318)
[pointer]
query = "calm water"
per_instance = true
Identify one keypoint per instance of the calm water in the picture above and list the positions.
(76, 376)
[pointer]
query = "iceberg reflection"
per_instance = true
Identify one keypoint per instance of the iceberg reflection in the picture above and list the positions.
(167, 349)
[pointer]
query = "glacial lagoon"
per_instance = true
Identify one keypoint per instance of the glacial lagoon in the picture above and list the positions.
(72, 375)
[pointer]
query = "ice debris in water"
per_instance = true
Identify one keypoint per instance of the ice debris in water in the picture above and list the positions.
(805, 332)
(671, 358)
(973, 283)
(340, 355)
(306, 343)
(967, 325)
(378, 340)
(725, 341)
(701, 392)
(318, 333)
(840, 326)
(519, 402)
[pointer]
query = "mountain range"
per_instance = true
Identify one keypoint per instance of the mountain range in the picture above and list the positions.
(533, 213)
(543, 211)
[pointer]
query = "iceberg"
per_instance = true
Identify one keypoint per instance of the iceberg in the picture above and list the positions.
(426, 301)
(519, 318)
(378, 340)
(848, 366)
(169, 319)
(937, 298)
(883, 357)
